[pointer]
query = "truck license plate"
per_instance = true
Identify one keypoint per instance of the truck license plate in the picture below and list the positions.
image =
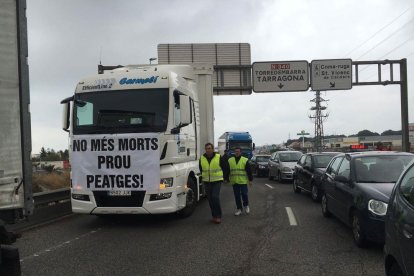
(119, 193)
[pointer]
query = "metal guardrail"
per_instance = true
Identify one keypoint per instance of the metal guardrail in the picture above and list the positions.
(48, 206)
(48, 198)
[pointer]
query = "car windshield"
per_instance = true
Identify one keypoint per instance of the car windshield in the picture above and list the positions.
(322, 161)
(380, 169)
(262, 158)
(290, 156)
(121, 111)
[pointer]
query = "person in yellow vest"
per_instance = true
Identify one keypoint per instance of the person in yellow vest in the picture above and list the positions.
(214, 169)
(240, 175)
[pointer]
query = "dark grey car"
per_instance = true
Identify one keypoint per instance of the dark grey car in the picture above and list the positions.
(308, 172)
(399, 227)
(357, 188)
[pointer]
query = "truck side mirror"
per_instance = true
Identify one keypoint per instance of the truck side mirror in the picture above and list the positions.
(66, 113)
(254, 146)
(185, 110)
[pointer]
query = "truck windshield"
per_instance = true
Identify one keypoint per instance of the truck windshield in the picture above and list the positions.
(241, 145)
(122, 111)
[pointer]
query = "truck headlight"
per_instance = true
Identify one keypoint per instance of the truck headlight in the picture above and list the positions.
(166, 182)
(377, 207)
(262, 167)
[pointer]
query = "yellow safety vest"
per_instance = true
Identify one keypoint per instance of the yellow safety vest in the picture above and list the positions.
(211, 172)
(238, 174)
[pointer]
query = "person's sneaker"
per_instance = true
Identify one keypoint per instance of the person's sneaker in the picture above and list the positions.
(238, 212)
(247, 209)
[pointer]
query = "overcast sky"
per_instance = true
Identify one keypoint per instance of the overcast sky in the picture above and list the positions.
(67, 37)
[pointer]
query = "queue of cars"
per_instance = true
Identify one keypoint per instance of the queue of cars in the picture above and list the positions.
(372, 192)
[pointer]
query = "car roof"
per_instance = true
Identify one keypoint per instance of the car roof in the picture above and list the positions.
(323, 153)
(376, 153)
(262, 155)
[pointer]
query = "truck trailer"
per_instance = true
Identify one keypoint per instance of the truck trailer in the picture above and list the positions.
(16, 200)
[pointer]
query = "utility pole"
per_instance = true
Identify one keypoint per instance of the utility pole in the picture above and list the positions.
(303, 133)
(318, 117)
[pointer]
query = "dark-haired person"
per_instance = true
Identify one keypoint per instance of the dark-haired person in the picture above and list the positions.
(214, 169)
(240, 175)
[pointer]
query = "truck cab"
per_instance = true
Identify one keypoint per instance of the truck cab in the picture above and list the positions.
(135, 140)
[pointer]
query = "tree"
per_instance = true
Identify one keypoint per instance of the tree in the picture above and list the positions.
(43, 153)
(366, 132)
(391, 132)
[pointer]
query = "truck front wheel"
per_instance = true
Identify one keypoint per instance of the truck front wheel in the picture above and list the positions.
(191, 199)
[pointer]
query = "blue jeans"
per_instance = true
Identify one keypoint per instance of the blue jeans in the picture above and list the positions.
(213, 196)
(240, 192)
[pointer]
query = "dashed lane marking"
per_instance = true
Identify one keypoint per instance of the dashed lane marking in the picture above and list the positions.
(53, 248)
(291, 216)
(270, 186)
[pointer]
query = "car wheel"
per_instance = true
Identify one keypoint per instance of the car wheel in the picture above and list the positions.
(324, 205)
(395, 270)
(296, 189)
(357, 231)
(191, 199)
(315, 193)
(270, 176)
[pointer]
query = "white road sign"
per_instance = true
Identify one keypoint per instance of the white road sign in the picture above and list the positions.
(331, 74)
(280, 76)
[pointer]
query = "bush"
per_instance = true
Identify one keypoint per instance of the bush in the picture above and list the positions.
(50, 181)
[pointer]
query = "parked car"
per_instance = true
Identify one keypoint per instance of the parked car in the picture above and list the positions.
(259, 164)
(399, 227)
(308, 172)
(282, 163)
(357, 187)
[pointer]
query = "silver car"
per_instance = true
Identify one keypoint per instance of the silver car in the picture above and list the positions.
(282, 164)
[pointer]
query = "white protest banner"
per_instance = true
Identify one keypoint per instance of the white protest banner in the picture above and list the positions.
(116, 162)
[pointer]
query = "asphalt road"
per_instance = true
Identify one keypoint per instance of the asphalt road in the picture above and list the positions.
(262, 243)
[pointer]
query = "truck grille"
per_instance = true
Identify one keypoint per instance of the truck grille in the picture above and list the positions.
(134, 200)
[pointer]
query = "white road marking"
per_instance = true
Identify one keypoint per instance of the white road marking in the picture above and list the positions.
(271, 187)
(53, 248)
(291, 216)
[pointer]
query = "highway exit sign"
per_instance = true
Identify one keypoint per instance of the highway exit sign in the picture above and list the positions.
(331, 74)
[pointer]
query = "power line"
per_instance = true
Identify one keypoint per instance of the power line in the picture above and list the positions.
(385, 39)
(411, 38)
(380, 30)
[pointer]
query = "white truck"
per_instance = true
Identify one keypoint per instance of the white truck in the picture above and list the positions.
(137, 133)
(136, 137)
(16, 200)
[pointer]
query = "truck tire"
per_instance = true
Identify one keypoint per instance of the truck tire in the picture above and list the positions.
(191, 199)
(10, 260)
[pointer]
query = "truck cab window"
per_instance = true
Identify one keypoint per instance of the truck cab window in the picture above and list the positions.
(84, 114)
